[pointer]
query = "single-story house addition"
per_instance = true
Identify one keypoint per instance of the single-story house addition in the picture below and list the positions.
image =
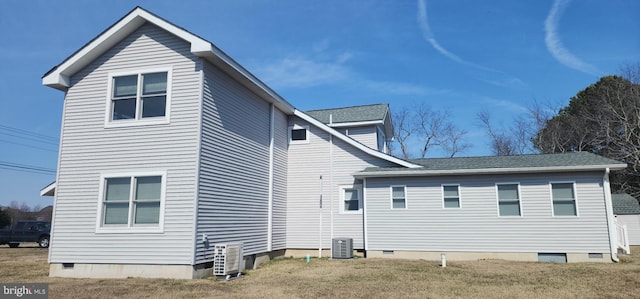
(169, 146)
(627, 212)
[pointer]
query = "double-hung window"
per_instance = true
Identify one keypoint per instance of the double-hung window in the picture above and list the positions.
(451, 196)
(564, 199)
(508, 200)
(132, 201)
(398, 197)
(139, 96)
(351, 199)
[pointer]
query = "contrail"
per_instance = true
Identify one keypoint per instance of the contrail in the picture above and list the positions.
(555, 46)
(430, 37)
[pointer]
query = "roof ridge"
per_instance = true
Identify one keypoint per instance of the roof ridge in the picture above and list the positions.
(347, 107)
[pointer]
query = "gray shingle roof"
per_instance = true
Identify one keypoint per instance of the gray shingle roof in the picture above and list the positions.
(576, 159)
(625, 204)
(351, 114)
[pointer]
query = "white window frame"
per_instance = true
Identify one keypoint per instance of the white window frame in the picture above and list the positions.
(138, 121)
(130, 227)
(459, 195)
(575, 198)
(519, 200)
(298, 127)
(342, 199)
(404, 188)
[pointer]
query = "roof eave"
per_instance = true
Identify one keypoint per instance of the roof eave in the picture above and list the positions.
(426, 172)
(59, 76)
(49, 190)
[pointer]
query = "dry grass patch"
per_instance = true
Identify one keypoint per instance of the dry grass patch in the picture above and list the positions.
(357, 278)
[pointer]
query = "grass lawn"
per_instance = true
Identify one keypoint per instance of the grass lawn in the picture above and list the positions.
(357, 278)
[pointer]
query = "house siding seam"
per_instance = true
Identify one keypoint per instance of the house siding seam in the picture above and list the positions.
(307, 162)
(88, 149)
(233, 191)
(476, 226)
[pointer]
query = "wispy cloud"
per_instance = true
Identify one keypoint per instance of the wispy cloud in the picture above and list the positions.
(303, 72)
(504, 104)
(554, 44)
(502, 79)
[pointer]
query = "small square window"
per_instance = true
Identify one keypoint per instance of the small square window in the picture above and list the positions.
(298, 134)
(132, 200)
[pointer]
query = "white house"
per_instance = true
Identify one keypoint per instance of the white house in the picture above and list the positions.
(169, 146)
(627, 212)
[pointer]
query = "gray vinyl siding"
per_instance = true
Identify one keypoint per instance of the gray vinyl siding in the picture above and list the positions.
(88, 149)
(234, 166)
(633, 227)
(280, 167)
(367, 135)
(307, 162)
(476, 226)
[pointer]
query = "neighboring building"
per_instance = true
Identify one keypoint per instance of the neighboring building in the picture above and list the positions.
(169, 146)
(627, 212)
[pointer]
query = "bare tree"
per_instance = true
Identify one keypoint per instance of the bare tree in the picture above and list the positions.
(452, 141)
(404, 128)
(428, 128)
(501, 143)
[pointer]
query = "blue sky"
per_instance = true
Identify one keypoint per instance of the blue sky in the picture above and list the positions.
(461, 55)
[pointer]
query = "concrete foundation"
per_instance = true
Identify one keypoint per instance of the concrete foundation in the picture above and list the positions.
(121, 271)
(470, 256)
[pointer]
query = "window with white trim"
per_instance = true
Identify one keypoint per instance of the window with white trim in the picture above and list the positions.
(508, 200)
(131, 201)
(451, 196)
(351, 198)
(298, 134)
(398, 197)
(138, 96)
(564, 199)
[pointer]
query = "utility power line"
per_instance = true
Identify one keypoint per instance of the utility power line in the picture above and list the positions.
(26, 168)
(29, 133)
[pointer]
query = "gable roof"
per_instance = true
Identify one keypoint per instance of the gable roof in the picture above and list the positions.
(367, 113)
(59, 76)
(355, 116)
(625, 204)
(499, 164)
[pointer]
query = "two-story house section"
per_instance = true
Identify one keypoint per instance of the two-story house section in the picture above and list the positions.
(168, 147)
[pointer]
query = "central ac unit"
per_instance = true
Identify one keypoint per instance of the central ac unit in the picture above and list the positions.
(342, 248)
(228, 260)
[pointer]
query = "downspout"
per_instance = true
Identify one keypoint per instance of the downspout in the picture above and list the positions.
(365, 240)
(320, 247)
(270, 194)
(613, 237)
(331, 181)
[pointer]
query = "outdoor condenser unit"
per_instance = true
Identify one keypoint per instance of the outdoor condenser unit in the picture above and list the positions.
(228, 260)
(342, 248)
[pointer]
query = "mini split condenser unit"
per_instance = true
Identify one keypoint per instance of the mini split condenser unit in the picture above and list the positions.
(342, 248)
(228, 260)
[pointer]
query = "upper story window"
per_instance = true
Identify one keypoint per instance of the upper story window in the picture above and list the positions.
(298, 134)
(382, 140)
(139, 98)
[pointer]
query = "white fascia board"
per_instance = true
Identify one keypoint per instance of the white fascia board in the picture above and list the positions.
(356, 124)
(352, 142)
(426, 172)
(49, 190)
